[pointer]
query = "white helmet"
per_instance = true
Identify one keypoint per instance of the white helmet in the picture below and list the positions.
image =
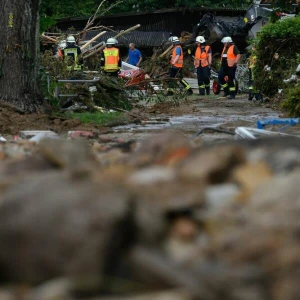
(200, 39)
(62, 44)
(111, 41)
(70, 39)
(174, 39)
(227, 39)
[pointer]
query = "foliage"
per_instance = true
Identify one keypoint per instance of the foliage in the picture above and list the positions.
(97, 117)
(46, 23)
(70, 8)
(149, 5)
(276, 49)
(67, 8)
(292, 101)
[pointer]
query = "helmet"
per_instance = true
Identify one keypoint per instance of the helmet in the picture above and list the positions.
(227, 39)
(70, 39)
(62, 44)
(200, 39)
(111, 41)
(174, 39)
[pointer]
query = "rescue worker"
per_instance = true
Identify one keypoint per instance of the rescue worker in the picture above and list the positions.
(72, 51)
(110, 58)
(61, 46)
(251, 64)
(176, 63)
(229, 59)
(202, 62)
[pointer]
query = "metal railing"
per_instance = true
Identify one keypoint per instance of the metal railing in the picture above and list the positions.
(58, 95)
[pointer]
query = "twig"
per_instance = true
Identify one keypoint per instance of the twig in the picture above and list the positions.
(112, 6)
(93, 17)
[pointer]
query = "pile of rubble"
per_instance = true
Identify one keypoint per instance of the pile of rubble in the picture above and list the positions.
(96, 218)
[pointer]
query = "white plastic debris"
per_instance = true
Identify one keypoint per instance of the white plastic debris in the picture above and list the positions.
(253, 133)
(43, 135)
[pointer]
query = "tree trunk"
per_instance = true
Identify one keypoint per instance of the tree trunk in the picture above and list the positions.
(19, 53)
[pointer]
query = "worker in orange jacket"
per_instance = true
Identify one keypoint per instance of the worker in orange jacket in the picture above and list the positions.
(202, 62)
(110, 58)
(176, 63)
(229, 59)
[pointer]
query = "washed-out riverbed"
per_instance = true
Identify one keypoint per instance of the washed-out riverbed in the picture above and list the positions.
(198, 113)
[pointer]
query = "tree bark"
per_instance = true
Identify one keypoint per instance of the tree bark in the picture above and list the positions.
(19, 54)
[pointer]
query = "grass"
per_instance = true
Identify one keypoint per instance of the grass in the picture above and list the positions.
(98, 117)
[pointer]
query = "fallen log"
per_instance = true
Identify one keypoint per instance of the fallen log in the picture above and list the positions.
(118, 35)
(93, 48)
(166, 52)
(93, 39)
(48, 38)
(127, 30)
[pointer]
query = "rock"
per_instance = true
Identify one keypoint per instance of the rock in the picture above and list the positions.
(220, 195)
(212, 165)
(52, 225)
(159, 295)
(250, 176)
(150, 175)
(56, 289)
(80, 134)
(7, 295)
(66, 154)
(166, 149)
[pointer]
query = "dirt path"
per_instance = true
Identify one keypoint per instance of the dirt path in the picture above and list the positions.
(189, 117)
(197, 113)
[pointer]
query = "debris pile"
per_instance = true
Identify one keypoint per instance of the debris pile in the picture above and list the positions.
(110, 219)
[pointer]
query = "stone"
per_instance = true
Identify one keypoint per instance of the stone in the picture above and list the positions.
(220, 195)
(80, 134)
(212, 165)
(55, 226)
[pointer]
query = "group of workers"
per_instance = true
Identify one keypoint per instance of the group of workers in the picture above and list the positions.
(111, 62)
(202, 61)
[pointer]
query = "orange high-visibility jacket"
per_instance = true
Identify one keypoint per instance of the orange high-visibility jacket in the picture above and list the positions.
(179, 63)
(231, 57)
(112, 57)
(202, 57)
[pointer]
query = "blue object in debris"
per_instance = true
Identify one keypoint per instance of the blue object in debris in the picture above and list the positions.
(285, 121)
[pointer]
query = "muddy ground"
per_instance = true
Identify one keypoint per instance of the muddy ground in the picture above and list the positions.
(146, 119)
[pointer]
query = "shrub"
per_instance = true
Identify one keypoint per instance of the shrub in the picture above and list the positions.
(292, 102)
(277, 47)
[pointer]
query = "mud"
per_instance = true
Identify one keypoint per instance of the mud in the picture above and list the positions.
(12, 122)
(190, 116)
(197, 113)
